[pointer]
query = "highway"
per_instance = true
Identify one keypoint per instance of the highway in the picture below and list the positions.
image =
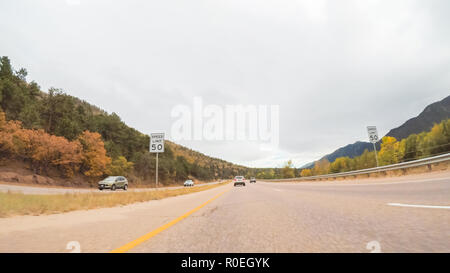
(40, 189)
(399, 214)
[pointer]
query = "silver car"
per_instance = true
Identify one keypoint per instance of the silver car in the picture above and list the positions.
(113, 183)
(189, 183)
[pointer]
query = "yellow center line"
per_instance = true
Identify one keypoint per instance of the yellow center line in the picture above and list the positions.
(149, 235)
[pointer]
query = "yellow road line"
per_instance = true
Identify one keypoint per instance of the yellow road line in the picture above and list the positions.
(149, 235)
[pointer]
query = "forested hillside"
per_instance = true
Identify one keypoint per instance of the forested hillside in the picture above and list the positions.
(53, 130)
(392, 151)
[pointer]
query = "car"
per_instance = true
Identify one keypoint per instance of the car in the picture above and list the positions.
(252, 180)
(113, 183)
(188, 183)
(239, 180)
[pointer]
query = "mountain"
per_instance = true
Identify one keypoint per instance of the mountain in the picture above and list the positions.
(307, 166)
(433, 113)
(56, 113)
(351, 150)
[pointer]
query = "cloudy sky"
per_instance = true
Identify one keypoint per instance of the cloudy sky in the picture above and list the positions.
(333, 67)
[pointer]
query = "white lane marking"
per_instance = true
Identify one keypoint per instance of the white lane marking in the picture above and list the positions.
(418, 206)
(405, 182)
(277, 190)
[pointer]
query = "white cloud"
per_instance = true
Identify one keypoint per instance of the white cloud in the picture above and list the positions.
(332, 66)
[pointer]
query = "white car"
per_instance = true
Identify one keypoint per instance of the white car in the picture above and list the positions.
(189, 183)
(239, 180)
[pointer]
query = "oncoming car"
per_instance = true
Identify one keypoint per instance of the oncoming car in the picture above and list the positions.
(189, 183)
(239, 180)
(252, 180)
(113, 183)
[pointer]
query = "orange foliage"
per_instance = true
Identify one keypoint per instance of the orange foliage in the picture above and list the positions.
(95, 160)
(8, 135)
(43, 149)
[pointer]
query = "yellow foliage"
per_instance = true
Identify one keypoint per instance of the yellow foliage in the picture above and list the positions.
(306, 172)
(389, 152)
(321, 167)
(341, 164)
(120, 166)
(288, 171)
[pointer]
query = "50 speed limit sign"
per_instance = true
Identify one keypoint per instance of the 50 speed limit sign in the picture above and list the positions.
(373, 134)
(157, 143)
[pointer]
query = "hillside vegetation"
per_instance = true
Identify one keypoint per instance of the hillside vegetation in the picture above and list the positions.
(392, 151)
(54, 131)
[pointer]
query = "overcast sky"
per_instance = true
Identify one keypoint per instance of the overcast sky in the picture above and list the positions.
(333, 67)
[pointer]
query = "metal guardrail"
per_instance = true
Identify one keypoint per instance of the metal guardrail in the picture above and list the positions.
(403, 165)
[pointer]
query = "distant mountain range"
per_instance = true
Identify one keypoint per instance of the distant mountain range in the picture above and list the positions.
(433, 113)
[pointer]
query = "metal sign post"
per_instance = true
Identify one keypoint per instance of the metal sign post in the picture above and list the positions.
(156, 169)
(157, 146)
(373, 137)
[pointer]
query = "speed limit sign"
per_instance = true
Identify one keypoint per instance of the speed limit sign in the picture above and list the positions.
(157, 143)
(373, 134)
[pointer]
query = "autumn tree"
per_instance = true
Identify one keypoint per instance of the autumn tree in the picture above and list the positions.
(306, 172)
(288, 170)
(438, 139)
(49, 150)
(410, 148)
(120, 166)
(42, 150)
(389, 152)
(94, 159)
(321, 167)
(341, 164)
(67, 156)
(365, 161)
(10, 137)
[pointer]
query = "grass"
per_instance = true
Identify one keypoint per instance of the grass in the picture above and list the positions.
(12, 204)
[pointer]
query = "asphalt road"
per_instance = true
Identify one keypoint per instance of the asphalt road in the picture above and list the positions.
(39, 189)
(407, 214)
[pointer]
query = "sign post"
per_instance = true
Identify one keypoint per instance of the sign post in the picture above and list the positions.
(157, 146)
(373, 137)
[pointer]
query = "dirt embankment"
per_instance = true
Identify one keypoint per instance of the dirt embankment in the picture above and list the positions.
(20, 172)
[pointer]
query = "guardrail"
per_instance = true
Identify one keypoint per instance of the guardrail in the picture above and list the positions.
(403, 165)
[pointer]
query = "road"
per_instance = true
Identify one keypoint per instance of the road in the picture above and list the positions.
(406, 214)
(39, 189)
